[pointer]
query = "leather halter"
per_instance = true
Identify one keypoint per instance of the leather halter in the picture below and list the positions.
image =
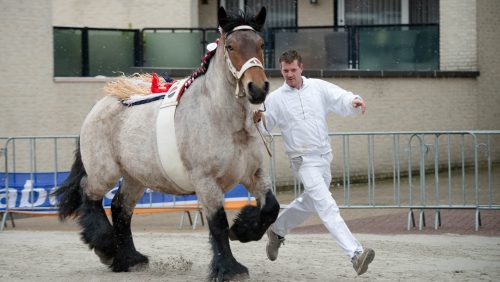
(250, 63)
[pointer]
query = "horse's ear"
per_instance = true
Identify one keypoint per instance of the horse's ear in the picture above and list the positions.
(222, 17)
(260, 18)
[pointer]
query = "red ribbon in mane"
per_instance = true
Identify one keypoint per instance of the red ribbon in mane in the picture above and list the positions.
(157, 86)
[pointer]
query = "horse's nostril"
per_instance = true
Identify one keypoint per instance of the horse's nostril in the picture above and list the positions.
(266, 86)
(250, 87)
(258, 90)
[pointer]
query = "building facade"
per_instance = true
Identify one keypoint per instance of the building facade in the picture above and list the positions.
(461, 95)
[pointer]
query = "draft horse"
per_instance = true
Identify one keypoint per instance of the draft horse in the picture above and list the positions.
(218, 147)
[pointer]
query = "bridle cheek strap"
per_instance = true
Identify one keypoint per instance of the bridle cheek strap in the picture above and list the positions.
(252, 62)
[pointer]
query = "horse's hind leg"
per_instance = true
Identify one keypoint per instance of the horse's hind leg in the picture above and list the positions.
(97, 232)
(252, 222)
(224, 266)
(122, 208)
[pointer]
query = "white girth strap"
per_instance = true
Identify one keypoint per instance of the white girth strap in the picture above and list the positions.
(167, 141)
(250, 63)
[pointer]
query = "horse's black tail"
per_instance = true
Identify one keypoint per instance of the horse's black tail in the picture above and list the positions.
(70, 192)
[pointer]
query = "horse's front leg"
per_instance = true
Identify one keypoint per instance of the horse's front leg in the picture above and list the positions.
(224, 266)
(252, 222)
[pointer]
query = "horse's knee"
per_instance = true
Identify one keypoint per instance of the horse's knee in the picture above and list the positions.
(251, 223)
(217, 223)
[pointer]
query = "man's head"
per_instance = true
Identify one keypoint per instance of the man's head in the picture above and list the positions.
(291, 68)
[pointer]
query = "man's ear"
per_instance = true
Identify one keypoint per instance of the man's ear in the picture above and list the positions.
(222, 17)
(260, 18)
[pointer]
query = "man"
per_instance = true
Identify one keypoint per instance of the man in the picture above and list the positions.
(300, 108)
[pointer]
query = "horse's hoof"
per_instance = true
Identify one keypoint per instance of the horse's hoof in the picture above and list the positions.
(239, 277)
(231, 271)
(106, 260)
(129, 262)
(245, 234)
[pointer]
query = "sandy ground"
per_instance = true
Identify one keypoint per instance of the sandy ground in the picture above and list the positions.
(185, 255)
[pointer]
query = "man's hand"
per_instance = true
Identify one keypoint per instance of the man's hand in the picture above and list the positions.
(356, 103)
(257, 115)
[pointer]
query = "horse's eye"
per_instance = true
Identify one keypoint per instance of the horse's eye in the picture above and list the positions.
(262, 46)
(229, 48)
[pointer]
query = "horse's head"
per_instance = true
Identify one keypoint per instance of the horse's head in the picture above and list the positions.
(243, 50)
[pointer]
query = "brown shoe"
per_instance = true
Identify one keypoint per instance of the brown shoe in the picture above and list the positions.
(274, 242)
(360, 261)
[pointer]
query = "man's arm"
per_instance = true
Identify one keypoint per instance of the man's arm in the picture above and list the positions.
(358, 102)
(340, 101)
(267, 116)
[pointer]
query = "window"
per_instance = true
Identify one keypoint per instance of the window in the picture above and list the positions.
(280, 13)
(378, 12)
(371, 12)
(424, 11)
(391, 34)
(94, 51)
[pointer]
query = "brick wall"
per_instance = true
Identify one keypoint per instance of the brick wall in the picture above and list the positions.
(125, 13)
(27, 97)
(314, 14)
(396, 104)
(488, 26)
(458, 34)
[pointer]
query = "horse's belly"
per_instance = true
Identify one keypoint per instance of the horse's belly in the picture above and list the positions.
(171, 189)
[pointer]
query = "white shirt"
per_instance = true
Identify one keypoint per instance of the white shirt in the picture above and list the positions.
(301, 114)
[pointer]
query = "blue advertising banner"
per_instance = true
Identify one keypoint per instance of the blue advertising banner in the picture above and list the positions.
(32, 192)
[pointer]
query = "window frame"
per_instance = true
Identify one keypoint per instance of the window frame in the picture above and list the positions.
(340, 12)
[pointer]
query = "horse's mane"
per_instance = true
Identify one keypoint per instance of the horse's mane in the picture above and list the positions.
(238, 17)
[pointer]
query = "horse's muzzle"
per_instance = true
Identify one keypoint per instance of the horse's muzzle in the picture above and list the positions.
(257, 94)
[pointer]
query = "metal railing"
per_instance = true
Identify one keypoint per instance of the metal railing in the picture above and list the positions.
(463, 159)
(370, 170)
(32, 167)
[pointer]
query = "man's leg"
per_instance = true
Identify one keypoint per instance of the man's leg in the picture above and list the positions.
(312, 175)
(296, 213)
(292, 216)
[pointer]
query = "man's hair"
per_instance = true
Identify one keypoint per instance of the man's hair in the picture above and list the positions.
(289, 56)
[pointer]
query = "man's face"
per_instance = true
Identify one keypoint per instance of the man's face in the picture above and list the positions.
(292, 73)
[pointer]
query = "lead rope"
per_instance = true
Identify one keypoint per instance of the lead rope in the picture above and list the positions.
(271, 139)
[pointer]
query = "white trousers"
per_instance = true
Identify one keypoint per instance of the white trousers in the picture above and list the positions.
(314, 173)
